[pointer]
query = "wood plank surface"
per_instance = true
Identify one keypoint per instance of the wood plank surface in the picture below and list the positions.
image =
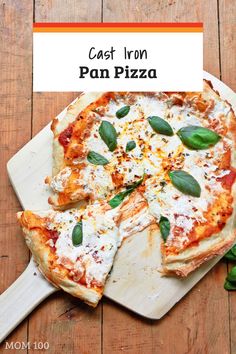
(201, 322)
(227, 21)
(15, 130)
(191, 323)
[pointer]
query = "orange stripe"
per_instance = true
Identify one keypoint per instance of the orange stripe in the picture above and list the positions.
(118, 24)
(114, 29)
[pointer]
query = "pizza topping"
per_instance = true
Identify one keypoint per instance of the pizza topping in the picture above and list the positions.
(108, 134)
(198, 138)
(164, 225)
(227, 178)
(65, 136)
(186, 183)
(59, 182)
(130, 146)
(96, 159)
(86, 248)
(122, 112)
(96, 181)
(118, 199)
(160, 126)
(77, 234)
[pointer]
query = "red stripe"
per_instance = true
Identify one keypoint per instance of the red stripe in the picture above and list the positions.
(116, 24)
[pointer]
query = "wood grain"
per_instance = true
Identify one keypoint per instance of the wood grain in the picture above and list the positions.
(15, 129)
(172, 11)
(68, 11)
(190, 323)
(227, 20)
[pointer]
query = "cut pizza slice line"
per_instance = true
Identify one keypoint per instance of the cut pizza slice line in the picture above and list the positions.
(75, 249)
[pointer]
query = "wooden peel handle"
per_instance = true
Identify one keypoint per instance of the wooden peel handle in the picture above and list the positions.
(29, 290)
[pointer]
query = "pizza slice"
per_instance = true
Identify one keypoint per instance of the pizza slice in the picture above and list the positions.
(92, 157)
(75, 249)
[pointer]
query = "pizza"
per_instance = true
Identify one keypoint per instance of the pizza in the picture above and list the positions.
(75, 249)
(164, 158)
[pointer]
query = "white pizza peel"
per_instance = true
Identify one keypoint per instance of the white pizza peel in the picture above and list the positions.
(134, 282)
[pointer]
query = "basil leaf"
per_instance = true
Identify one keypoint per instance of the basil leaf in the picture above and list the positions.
(118, 199)
(96, 159)
(198, 138)
(130, 146)
(160, 125)
(232, 275)
(123, 111)
(108, 134)
(136, 184)
(185, 183)
(230, 256)
(164, 225)
(233, 250)
(229, 286)
(77, 234)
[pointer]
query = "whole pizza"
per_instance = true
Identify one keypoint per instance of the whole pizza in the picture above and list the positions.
(123, 161)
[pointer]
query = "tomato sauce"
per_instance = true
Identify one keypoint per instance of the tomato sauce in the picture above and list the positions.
(53, 234)
(228, 180)
(64, 137)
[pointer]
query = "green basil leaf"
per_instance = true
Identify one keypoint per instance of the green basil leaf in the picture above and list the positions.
(164, 225)
(230, 256)
(232, 275)
(160, 125)
(108, 134)
(130, 146)
(229, 286)
(136, 184)
(123, 111)
(118, 199)
(185, 183)
(77, 234)
(96, 159)
(198, 138)
(233, 250)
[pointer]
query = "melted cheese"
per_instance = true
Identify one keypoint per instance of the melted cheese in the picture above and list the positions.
(96, 180)
(100, 241)
(183, 210)
(59, 182)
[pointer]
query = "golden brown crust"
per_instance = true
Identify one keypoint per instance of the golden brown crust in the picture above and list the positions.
(183, 269)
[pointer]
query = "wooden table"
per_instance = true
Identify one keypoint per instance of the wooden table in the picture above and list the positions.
(205, 320)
